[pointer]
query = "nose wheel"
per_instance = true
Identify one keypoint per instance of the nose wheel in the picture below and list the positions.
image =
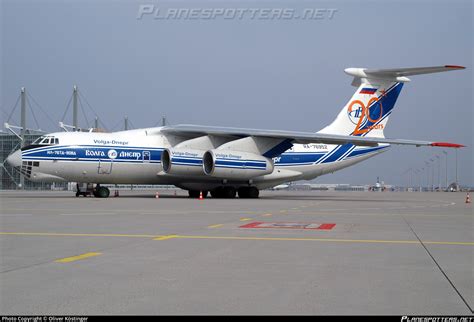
(90, 189)
(101, 192)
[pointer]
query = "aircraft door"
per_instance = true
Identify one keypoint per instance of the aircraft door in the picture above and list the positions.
(105, 167)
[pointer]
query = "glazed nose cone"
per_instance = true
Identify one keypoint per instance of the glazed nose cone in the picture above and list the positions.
(14, 159)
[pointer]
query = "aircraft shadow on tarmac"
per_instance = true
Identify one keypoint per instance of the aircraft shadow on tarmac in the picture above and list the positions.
(170, 196)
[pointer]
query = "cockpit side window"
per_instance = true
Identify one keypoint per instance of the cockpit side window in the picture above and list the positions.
(38, 140)
(41, 142)
(46, 140)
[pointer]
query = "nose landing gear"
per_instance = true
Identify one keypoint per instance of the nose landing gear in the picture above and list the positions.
(101, 192)
(88, 189)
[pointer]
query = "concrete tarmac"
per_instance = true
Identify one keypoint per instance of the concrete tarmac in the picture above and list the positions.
(289, 252)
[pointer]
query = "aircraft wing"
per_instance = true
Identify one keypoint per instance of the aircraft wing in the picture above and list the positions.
(294, 137)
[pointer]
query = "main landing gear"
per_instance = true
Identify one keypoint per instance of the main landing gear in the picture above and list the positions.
(196, 193)
(248, 192)
(227, 192)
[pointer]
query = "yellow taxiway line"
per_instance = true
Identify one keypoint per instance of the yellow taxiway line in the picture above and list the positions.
(369, 241)
(76, 258)
(215, 226)
(308, 239)
(77, 235)
(166, 237)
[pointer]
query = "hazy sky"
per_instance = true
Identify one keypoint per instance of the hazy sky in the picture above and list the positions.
(251, 72)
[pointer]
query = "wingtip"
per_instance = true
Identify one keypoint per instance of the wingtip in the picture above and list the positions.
(448, 145)
(454, 67)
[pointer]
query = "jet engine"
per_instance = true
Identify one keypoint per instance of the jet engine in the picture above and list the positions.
(181, 161)
(235, 164)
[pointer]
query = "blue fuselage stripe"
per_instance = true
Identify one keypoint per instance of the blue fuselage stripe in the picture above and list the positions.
(153, 155)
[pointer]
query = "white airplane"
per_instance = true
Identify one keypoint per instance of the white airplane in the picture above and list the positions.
(225, 161)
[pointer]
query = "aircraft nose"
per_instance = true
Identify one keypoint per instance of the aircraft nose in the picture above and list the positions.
(14, 159)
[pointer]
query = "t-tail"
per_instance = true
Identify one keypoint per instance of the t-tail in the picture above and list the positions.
(368, 111)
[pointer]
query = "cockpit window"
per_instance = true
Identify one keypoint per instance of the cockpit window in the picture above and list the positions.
(38, 140)
(42, 141)
(46, 140)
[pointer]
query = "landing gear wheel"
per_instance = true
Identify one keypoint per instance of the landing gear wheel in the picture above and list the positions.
(193, 193)
(196, 193)
(253, 192)
(229, 192)
(243, 192)
(248, 192)
(102, 192)
(224, 192)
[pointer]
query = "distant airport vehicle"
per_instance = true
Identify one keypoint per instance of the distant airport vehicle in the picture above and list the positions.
(225, 161)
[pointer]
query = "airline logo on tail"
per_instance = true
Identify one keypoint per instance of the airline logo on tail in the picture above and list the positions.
(366, 117)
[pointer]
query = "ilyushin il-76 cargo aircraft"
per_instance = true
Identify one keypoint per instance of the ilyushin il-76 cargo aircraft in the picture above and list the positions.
(222, 160)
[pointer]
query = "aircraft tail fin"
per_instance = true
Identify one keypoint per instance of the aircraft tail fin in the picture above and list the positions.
(367, 112)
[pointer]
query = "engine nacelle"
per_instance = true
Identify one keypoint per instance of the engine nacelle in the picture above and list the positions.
(235, 165)
(180, 161)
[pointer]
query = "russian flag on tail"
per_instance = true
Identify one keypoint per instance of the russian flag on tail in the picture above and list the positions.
(367, 90)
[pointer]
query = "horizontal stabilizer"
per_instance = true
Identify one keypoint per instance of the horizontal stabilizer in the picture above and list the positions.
(412, 71)
(398, 74)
